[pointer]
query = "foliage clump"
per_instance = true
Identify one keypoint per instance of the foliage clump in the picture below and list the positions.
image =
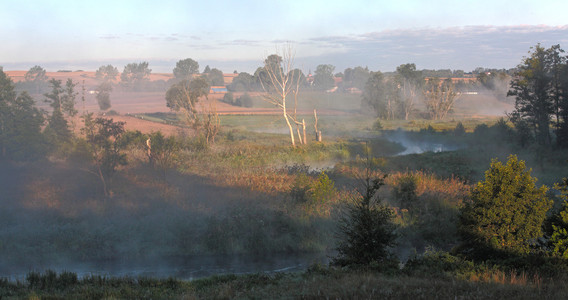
(505, 213)
(559, 237)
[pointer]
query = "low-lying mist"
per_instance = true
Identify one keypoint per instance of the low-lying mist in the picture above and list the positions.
(55, 217)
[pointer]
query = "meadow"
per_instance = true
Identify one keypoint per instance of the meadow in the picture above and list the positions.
(251, 194)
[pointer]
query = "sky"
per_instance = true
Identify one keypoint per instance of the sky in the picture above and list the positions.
(238, 35)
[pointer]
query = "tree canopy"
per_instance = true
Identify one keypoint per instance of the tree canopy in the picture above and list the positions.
(106, 73)
(20, 123)
(540, 89)
(506, 211)
(185, 68)
(36, 79)
(103, 137)
(215, 77)
(323, 77)
(356, 77)
(185, 94)
(243, 82)
(135, 75)
(381, 95)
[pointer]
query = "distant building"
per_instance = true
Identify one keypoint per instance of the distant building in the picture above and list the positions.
(353, 90)
(219, 89)
(310, 79)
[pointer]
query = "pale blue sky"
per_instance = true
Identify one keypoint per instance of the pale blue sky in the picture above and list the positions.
(237, 34)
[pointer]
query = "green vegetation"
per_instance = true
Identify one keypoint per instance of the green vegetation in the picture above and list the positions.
(437, 275)
(367, 232)
(451, 220)
(506, 212)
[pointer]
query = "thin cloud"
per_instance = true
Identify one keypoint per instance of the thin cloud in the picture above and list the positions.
(454, 47)
(242, 42)
(109, 37)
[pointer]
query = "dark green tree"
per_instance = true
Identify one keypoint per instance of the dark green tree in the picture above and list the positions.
(25, 139)
(57, 130)
(559, 237)
(356, 77)
(242, 83)
(186, 94)
(55, 97)
(135, 75)
(228, 98)
(261, 78)
(162, 151)
(183, 97)
(103, 137)
(366, 231)
(69, 98)
(381, 95)
(36, 78)
(560, 96)
(533, 86)
(62, 100)
(323, 77)
(7, 95)
(106, 73)
(103, 95)
(185, 68)
(405, 193)
(215, 77)
(297, 73)
(244, 100)
(459, 130)
(20, 124)
(506, 212)
(272, 65)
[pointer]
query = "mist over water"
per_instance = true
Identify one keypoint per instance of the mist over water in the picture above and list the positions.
(414, 146)
(180, 267)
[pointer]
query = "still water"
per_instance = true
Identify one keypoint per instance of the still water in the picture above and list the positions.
(186, 267)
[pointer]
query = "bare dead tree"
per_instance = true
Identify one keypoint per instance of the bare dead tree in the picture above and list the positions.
(440, 98)
(282, 82)
(408, 95)
(318, 133)
(211, 122)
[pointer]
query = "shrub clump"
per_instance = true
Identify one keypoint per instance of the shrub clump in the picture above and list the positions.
(506, 212)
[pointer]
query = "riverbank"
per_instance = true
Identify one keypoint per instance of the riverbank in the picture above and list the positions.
(316, 282)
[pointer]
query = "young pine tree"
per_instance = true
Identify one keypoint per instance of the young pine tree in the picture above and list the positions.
(366, 231)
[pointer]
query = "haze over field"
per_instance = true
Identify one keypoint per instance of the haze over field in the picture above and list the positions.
(233, 35)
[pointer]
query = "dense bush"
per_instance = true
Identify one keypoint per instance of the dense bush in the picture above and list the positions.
(506, 212)
(559, 230)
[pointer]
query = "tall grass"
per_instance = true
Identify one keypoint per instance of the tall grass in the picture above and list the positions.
(314, 284)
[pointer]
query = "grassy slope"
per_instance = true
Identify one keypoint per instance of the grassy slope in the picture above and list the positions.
(61, 205)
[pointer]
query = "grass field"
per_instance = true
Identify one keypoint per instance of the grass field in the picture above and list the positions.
(251, 193)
